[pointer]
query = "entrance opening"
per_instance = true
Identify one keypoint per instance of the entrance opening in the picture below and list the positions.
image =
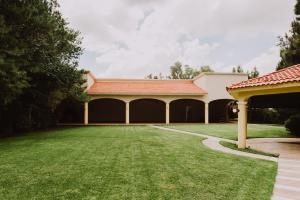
(220, 111)
(147, 111)
(107, 111)
(186, 111)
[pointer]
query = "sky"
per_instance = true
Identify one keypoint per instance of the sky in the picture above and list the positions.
(133, 38)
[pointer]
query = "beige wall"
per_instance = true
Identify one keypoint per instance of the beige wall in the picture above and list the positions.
(128, 98)
(215, 84)
(89, 80)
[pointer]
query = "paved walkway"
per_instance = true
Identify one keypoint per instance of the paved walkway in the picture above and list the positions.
(287, 186)
(213, 143)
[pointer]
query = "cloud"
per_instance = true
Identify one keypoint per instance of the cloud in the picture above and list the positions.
(133, 38)
(265, 62)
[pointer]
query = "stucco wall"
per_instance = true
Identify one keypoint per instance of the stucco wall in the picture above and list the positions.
(215, 84)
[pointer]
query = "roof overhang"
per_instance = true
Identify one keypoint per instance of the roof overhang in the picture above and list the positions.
(247, 92)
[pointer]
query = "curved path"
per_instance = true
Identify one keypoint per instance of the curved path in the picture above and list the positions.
(287, 185)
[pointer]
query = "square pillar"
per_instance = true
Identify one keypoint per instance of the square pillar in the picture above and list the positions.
(167, 113)
(127, 112)
(206, 111)
(86, 113)
(242, 124)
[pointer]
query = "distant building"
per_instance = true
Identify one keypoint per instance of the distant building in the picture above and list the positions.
(203, 99)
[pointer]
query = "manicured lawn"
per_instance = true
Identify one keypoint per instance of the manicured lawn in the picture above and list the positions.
(229, 131)
(118, 162)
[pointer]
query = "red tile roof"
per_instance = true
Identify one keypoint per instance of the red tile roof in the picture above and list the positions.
(289, 74)
(145, 87)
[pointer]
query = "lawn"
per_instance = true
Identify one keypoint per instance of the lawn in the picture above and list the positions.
(126, 162)
(229, 131)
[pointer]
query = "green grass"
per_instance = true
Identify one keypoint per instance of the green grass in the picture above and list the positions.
(126, 162)
(229, 131)
(248, 150)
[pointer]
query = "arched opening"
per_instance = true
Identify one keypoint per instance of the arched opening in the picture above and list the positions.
(107, 110)
(186, 111)
(147, 111)
(220, 111)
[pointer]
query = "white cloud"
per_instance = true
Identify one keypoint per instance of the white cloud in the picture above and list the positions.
(265, 62)
(133, 38)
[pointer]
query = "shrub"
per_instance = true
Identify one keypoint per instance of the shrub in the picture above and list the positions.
(293, 124)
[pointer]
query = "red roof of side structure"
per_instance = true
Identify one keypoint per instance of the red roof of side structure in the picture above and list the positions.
(145, 87)
(289, 74)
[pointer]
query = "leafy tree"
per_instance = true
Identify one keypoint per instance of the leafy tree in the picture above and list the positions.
(290, 43)
(176, 71)
(239, 69)
(38, 63)
(206, 68)
(190, 72)
(254, 73)
(233, 70)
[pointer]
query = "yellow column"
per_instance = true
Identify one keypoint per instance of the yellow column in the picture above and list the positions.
(86, 113)
(242, 124)
(127, 112)
(167, 113)
(206, 113)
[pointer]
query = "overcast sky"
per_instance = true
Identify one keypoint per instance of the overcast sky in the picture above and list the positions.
(132, 38)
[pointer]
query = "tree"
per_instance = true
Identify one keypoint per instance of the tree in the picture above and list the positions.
(206, 68)
(233, 70)
(290, 43)
(190, 72)
(254, 73)
(176, 71)
(239, 69)
(38, 63)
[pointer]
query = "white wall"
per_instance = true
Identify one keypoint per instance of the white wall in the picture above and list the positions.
(215, 84)
(89, 80)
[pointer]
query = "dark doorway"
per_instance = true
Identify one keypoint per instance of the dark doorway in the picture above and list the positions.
(186, 111)
(220, 111)
(147, 111)
(107, 111)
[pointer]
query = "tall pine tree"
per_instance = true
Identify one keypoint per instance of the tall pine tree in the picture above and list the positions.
(290, 43)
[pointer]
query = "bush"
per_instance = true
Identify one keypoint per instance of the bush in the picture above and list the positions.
(293, 124)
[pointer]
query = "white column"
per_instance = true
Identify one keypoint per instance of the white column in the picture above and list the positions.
(206, 113)
(242, 124)
(127, 112)
(167, 113)
(86, 113)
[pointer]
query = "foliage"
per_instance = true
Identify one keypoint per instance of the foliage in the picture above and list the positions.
(254, 73)
(132, 162)
(290, 43)
(178, 71)
(263, 115)
(38, 63)
(293, 124)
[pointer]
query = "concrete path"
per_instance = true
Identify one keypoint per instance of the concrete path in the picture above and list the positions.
(287, 186)
(213, 143)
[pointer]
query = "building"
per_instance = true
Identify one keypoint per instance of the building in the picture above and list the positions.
(124, 101)
(281, 87)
